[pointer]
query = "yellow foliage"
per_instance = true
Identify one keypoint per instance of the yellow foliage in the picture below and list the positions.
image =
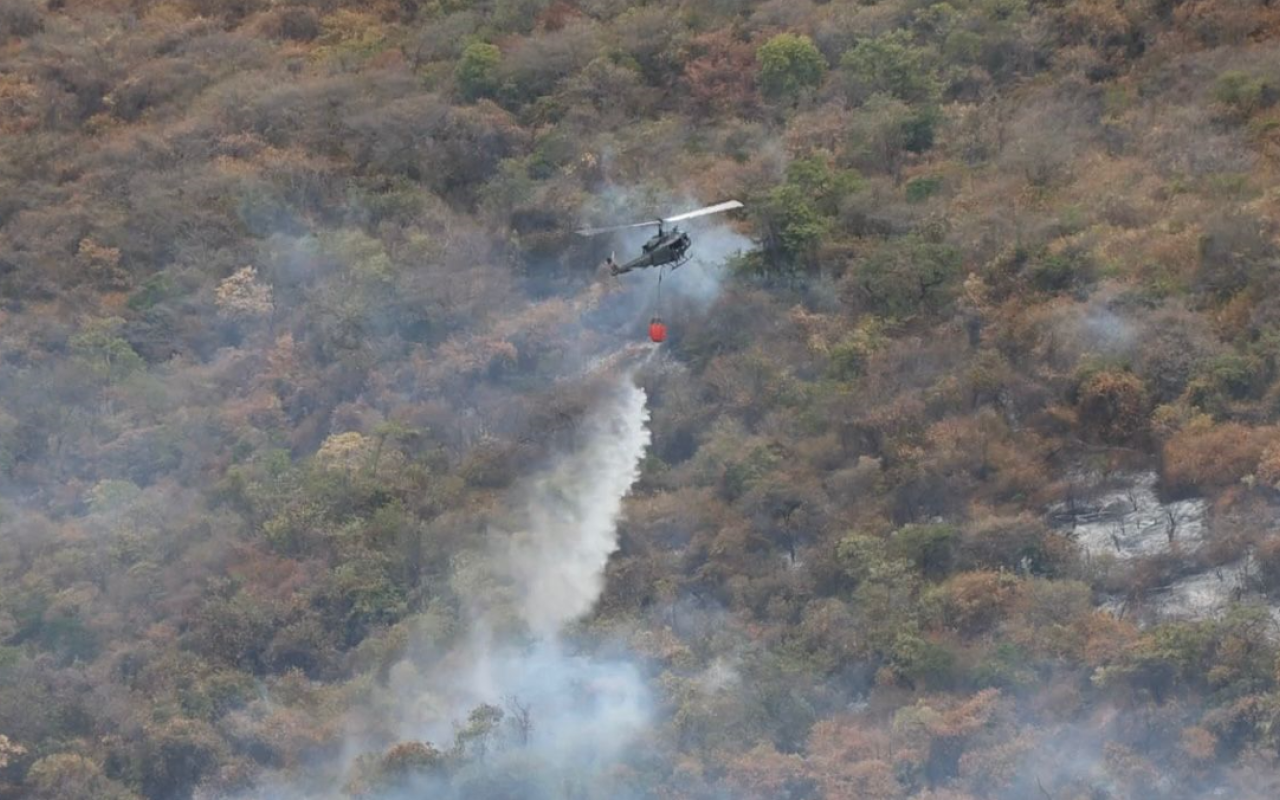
(976, 600)
(989, 770)
(1169, 418)
(764, 773)
(1097, 23)
(348, 451)
(468, 357)
(348, 34)
(1113, 406)
(243, 296)
(1199, 745)
(1213, 457)
(9, 749)
(1107, 637)
(18, 98)
(101, 264)
(848, 760)
(1269, 465)
(261, 409)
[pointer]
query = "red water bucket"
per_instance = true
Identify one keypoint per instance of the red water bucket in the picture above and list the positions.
(657, 331)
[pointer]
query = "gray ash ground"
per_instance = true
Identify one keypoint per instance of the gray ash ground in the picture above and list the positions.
(1130, 521)
(1122, 523)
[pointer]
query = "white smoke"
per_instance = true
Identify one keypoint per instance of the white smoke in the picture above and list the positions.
(581, 711)
(557, 561)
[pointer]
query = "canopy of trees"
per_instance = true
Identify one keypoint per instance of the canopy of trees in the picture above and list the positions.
(289, 299)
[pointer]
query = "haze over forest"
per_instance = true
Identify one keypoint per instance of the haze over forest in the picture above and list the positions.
(334, 465)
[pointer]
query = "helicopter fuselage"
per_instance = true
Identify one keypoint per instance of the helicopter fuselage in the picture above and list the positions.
(664, 247)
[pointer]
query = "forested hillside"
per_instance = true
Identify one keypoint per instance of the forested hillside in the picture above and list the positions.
(961, 479)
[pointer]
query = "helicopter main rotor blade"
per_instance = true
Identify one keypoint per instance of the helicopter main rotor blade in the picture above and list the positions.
(702, 212)
(594, 231)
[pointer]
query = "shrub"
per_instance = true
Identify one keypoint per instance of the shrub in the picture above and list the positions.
(1112, 406)
(920, 189)
(1222, 379)
(1235, 250)
(974, 601)
(1009, 543)
(825, 183)
(1205, 456)
(1242, 94)
(533, 66)
(1062, 271)
(655, 42)
(920, 660)
(19, 18)
(298, 23)
(67, 776)
(1170, 350)
(720, 74)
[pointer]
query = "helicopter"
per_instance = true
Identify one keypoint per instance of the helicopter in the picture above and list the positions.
(665, 246)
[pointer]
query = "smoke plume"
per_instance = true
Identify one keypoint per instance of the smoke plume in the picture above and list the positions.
(509, 702)
(569, 715)
(557, 561)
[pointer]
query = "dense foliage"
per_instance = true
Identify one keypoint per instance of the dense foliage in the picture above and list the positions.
(291, 296)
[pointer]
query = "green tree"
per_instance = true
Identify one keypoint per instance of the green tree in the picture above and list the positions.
(387, 430)
(920, 660)
(904, 278)
(886, 586)
(887, 129)
(789, 64)
(890, 64)
(477, 71)
(930, 547)
(106, 354)
(176, 754)
(362, 592)
(480, 734)
(793, 225)
(825, 183)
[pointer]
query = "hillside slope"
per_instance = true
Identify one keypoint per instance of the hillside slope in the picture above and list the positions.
(294, 323)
